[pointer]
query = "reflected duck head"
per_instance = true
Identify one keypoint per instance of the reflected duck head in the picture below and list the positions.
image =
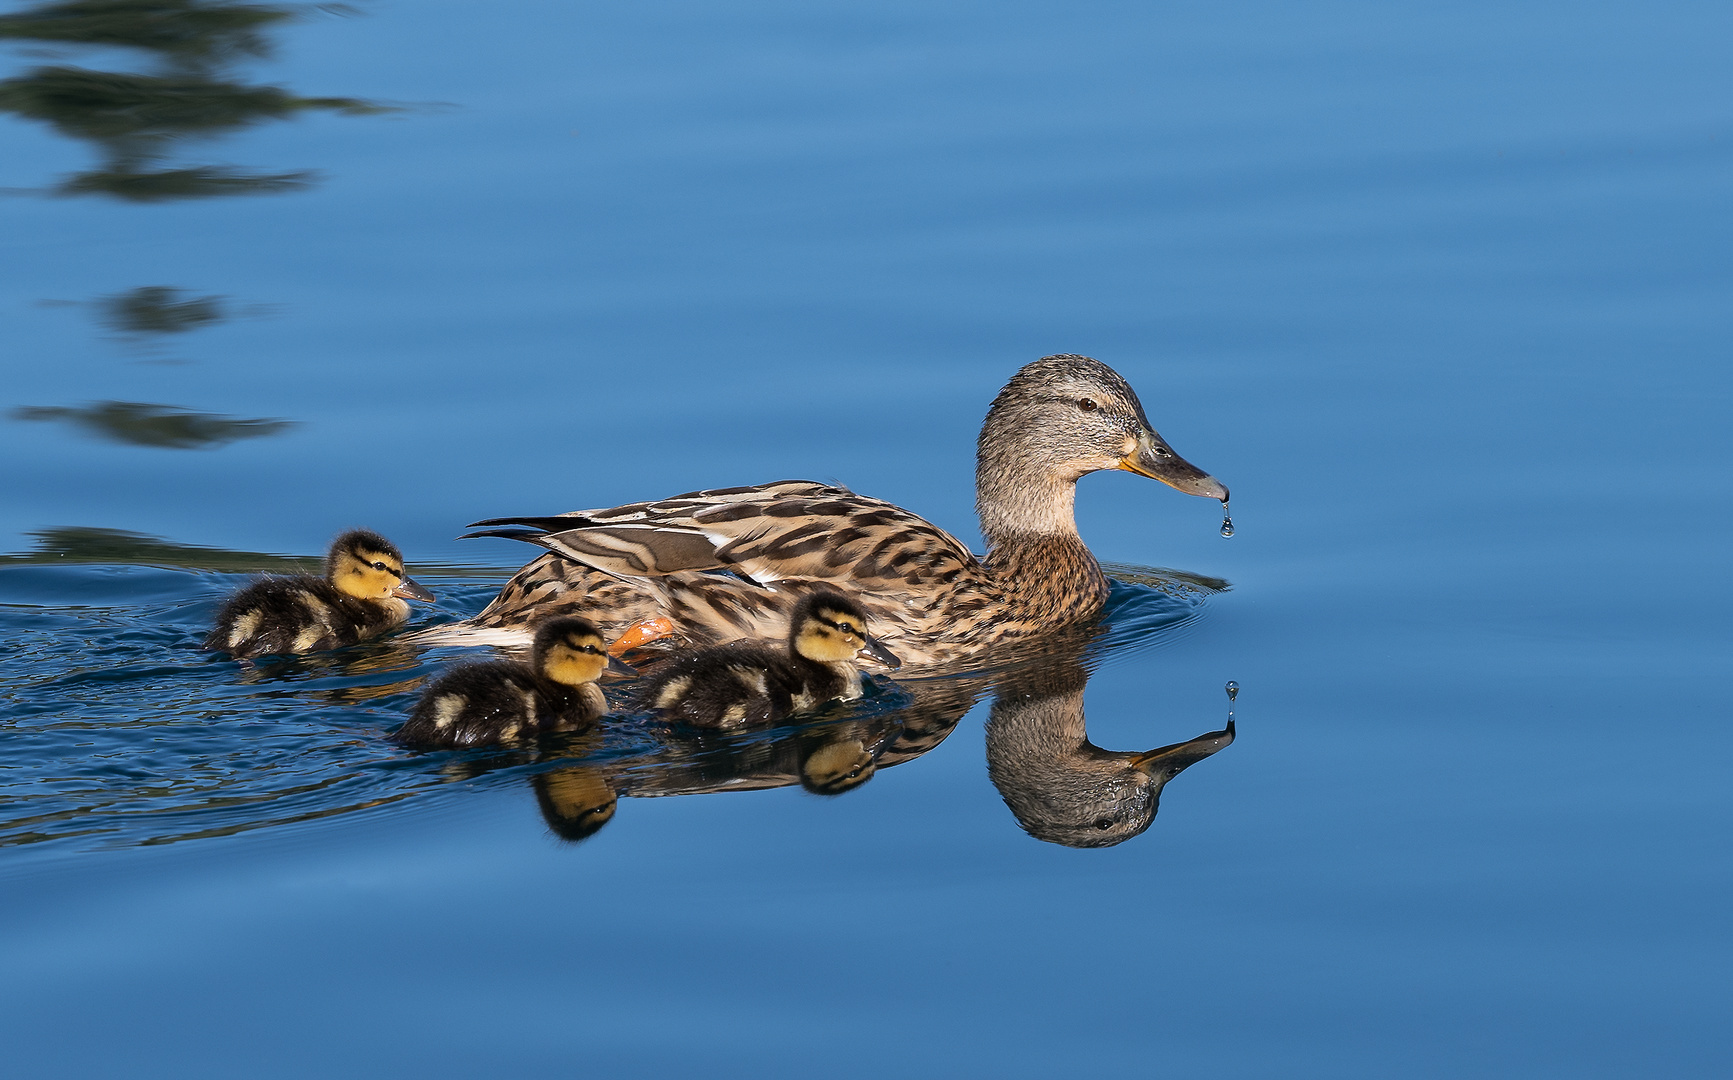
(837, 767)
(1057, 420)
(575, 802)
(1066, 790)
(830, 628)
(367, 566)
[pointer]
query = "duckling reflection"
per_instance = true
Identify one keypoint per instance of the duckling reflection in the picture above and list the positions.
(1063, 788)
(825, 758)
(576, 801)
(584, 775)
(353, 676)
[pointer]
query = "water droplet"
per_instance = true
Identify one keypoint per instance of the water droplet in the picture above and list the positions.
(1227, 521)
(1233, 689)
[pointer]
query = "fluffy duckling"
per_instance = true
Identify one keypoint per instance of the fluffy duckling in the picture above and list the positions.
(505, 701)
(731, 686)
(360, 597)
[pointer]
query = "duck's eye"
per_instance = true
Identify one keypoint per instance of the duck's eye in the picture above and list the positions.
(1104, 823)
(1087, 404)
(378, 566)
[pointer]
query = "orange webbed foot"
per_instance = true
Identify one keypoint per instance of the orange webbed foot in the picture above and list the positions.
(641, 633)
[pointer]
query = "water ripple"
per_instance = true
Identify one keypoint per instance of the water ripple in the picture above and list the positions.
(120, 733)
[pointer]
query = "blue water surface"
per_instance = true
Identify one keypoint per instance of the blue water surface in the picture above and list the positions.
(1440, 291)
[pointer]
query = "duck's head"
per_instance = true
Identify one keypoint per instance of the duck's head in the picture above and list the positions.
(367, 566)
(1059, 419)
(829, 627)
(571, 651)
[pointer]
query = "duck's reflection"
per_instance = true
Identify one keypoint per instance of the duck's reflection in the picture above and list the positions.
(825, 759)
(1062, 787)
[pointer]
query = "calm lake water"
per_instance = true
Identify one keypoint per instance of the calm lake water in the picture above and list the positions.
(1441, 292)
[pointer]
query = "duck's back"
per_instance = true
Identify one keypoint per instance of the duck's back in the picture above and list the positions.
(730, 564)
(497, 701)
(298, 615)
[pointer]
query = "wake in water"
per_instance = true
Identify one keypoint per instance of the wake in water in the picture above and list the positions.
(119, 731)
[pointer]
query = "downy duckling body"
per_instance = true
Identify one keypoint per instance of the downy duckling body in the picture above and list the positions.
(506, 701)
(361, 596)
(731, 686)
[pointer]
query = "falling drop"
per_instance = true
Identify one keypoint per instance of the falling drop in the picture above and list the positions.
(1233, 689)
(1227, 521)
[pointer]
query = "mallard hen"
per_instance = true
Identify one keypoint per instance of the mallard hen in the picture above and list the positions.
(709, 567)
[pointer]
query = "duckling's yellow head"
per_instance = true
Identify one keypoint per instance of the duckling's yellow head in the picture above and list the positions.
(1058, 419)
(829, 627)
(367, 566)
(569, 650)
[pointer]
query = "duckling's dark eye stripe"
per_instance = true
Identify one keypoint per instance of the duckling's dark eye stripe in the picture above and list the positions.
(844, 627)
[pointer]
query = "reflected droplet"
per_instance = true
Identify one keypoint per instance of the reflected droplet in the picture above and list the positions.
(1227, 521)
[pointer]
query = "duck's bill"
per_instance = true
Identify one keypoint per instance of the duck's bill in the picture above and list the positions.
(620, 667)
(409, 590)
(1172, 759)
(1153, 458)
(883, 655)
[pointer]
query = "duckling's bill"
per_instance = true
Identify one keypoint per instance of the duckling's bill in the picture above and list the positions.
(1151, 456)
(409, 589)
(875, 649)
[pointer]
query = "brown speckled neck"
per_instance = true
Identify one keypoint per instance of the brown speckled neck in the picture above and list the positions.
(1049, 579)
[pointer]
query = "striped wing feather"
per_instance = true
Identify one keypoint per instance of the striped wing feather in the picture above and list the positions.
(914, 579)
(791, 529)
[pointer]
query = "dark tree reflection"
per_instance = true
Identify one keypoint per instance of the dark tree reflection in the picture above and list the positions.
(162, 426)
(136, 119)
(159, 309)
